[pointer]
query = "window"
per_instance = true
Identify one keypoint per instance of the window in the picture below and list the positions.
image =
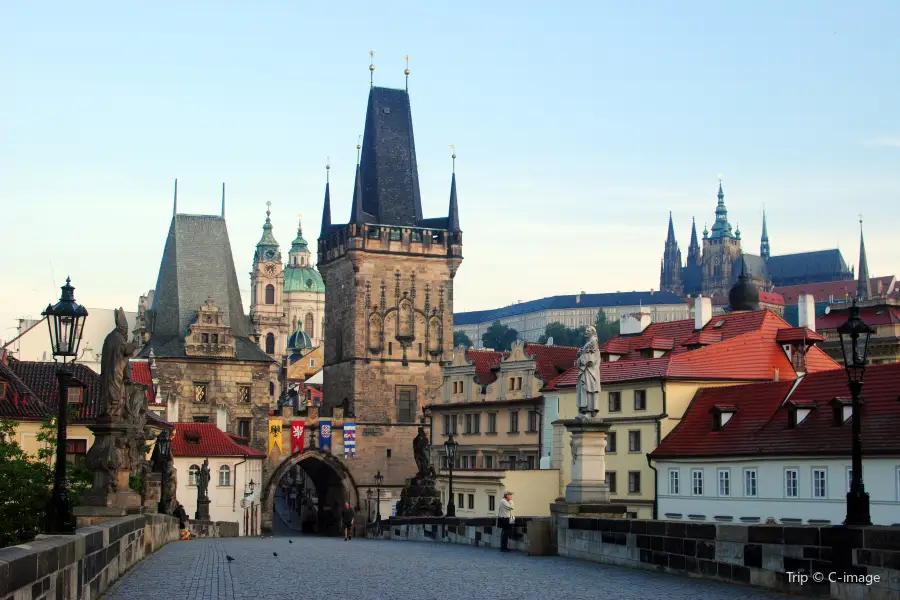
(492, 423)
(243, 428)
(529, 461)
(224, 475)
(76, 451)
(270, 294)
(460, 497)
(611, 481)
(634, 482)
(406, 405)
(724, 482)
(615, 401)
(193, 475)
(308, 325)
(390, 348)
(473, 423)
(611, 441)
(492, 504)
(446, 427)
(750, 483)
(514, 421)
(488, 461)
(791, 483)
(674, 482)
(518, 383)
(820, 483)
(270, 343)
(849, 479)
(640, 399)
(453, 387)
(634, 441)
(244, 393)
(201, 419)
(74, 394)
(697, 482)
(533, 421)
(199, 392)
(471, 501)
(271, 388)
(204, 338)
(312, 363)
(214, 338)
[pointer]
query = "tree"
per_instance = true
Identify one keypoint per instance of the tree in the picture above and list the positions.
(24, 490)
(606, 330)
(499, 337)
(461, 339)
(563, 336)
(78, 477)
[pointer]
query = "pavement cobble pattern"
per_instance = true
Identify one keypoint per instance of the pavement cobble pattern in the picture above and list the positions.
(314, 567)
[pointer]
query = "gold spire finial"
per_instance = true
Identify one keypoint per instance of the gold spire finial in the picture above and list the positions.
(358, 147)
(372, 68)
(406, 72)
(327, 170)
(268, 210)
(453, 156)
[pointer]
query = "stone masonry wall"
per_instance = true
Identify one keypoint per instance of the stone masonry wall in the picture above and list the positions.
(836, 562)
(470, 532)
(82, 566)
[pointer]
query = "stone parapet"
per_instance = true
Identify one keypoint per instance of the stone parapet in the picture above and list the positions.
(455, 530)
(213, 529)
(83, 565)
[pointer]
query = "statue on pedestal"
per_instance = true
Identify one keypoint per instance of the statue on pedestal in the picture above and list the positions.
(115, 370)
(420, 497)
(588, 363)
(203, 481)
(422, 454)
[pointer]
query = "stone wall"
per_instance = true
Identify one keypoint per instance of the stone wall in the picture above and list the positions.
(856, 564)
(82, 566)
(208, 529)
(469, 532)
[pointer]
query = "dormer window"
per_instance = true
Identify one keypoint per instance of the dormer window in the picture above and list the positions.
(841, 410)
(75, 394)
(797, 412)
(719, 324)
(722, 413)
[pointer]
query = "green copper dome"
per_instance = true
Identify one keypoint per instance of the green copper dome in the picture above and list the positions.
(302, 279)
(299, 340)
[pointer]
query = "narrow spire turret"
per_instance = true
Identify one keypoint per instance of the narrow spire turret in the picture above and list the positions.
(764, 251)
(862, 284)
(356, 213)
(175, 201)
(453, 213)
(223, 199)
(671, 235)
(326, 209)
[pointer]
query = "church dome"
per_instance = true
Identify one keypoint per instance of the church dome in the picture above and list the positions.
(745, 294)
(299, 340)
(302, 279)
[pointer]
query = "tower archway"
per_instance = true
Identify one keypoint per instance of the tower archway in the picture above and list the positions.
(332, 486)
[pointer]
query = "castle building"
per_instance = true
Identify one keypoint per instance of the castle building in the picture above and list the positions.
(713, 269)
(389, 308)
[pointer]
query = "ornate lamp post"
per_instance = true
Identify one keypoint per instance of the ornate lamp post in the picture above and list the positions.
(379, 479)
(65, 320)
(368, 505)
(855, 347)
(250, 486)
(164, 449)
(450, 447)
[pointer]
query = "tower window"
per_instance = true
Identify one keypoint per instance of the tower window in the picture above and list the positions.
(270, 294)
(308, 325)
(302, 261)
(270, 343)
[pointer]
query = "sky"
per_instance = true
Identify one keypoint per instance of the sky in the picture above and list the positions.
(578, 126)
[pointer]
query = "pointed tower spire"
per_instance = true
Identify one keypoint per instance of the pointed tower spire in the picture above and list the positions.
(694, 246)
(267, 247)
(721, 227)
(862, 285)
(453, 213)
(326, 209)
(223, 199)
(671, 235)
(356, 213)
(764, 251)
(175, 201)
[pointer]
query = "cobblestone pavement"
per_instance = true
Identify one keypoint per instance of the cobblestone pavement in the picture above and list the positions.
(313, 568)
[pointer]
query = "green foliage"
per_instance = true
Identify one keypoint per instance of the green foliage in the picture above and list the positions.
(24, 490)
(563, 336)
(78, 478)
(606, 330)
(135, 482)
(461, 339)
(499, 337)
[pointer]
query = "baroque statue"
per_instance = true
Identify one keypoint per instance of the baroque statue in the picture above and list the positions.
(203, 481)
(588, 363)
(115, 370)
(421, 452)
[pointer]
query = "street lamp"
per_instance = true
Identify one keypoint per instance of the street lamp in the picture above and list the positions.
(164, 451)
(368, 505)
(250, 487)
(450, 447)
(65, 320)
(379, 479)
(855, 336)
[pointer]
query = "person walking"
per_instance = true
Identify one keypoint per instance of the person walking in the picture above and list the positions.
(348, 516)
(506, 519)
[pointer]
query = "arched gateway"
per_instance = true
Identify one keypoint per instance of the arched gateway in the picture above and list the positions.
(333, 482)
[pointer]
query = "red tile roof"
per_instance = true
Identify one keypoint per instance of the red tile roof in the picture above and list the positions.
(760, 425)
(19, 402)
(764, 298)
(205, 439)
(551, 361)
(41, 378)
(154, 420)
(140, 373)
(487, 362)
(874, 315)
(798, 334)
(834, 290)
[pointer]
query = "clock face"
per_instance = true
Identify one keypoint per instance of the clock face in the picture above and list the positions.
(270, 253)
(269, 269)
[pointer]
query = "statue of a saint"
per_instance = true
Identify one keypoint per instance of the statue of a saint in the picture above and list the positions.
(117, 351)
(203, 481)
(588, 362)
(421, 447)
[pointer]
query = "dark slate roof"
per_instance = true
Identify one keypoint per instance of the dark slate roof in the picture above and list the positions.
(197, 264)
(756, 268)
(389, 174)
(808, 267)
(568, 301)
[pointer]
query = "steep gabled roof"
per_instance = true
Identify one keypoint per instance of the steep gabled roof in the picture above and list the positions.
(487, 363)
(19, 402)
(760, 425)
(140, 373)
(871, 315)
(551, 361)
(822, 265)
(41, 378)
(205, 439)
(835, 290)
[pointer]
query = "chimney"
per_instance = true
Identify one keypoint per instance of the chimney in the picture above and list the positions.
(632, 323)
(880, 288)
(776, 375)
(702, 312)
(549, 341)
(222, 417)
(806, 310)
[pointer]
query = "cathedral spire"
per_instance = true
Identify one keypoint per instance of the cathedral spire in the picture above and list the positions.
(267, 247)
(764, 240)
(223, 199)
(326, 210)
(721, 228)
(453, 213)
(356, 213)
(862, 285)
(694, 246)
(671, 237)
(175, 201)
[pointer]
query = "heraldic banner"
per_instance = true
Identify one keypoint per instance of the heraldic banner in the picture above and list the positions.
(324, 434)
(297, 430)
(349, 439)
(275, 434)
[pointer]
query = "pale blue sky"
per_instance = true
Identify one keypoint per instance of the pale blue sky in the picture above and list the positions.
(578, 126)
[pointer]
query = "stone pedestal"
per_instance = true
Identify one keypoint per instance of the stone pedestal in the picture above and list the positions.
(420, 497)
(111, 460)
(202, 513)
(588, 444)
(152, 492)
